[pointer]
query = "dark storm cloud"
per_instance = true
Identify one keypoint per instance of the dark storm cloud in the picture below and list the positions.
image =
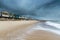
(38, 9)
(50, 10)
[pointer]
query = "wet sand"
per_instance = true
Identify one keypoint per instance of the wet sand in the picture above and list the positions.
(42, 35)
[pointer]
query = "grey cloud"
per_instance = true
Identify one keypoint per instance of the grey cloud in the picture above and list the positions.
(38, 9)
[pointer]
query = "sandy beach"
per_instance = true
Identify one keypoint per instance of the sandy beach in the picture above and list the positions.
(7, 27)
(15, 30)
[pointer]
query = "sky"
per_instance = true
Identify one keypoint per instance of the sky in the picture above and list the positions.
(37, 9)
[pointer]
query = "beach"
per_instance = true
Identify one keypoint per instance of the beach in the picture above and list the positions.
(21, 30)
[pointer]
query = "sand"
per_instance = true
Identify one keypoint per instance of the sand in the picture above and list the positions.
(42, 35)
(15, 30)
(7, 27)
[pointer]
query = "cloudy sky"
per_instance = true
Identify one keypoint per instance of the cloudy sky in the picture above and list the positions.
(37, 9)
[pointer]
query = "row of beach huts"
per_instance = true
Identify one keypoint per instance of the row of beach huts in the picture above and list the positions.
(5, 14)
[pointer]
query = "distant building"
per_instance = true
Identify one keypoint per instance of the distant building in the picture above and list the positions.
(4, 14)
